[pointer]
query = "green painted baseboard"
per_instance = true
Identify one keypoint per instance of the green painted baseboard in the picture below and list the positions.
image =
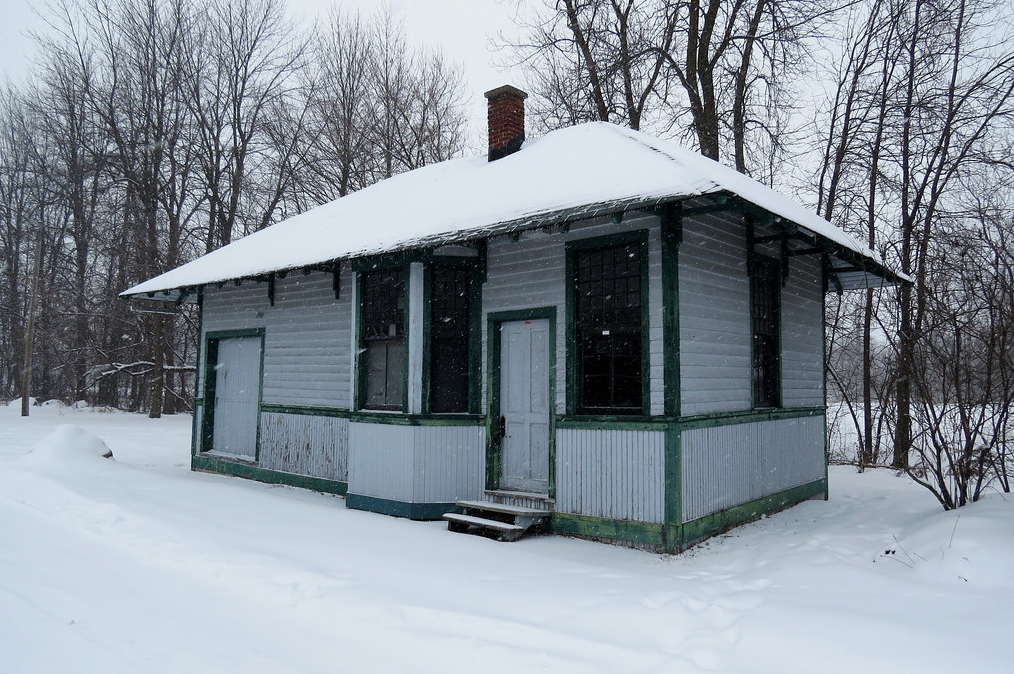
(716, 523)
(640, 533)
(412, 511)
(236, 469)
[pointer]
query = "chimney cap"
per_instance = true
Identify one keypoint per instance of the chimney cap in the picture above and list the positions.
(506, 89)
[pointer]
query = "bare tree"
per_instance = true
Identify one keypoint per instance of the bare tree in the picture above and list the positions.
(717, 70)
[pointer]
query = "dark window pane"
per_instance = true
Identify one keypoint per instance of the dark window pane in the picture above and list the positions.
(383, 335)
(764, 308)
(608, 321)
(449, 325)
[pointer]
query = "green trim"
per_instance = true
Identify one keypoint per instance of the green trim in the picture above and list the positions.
(406, 355)
(716, 523)
(384, 261)
(611, 423)
(412, 511)
(475, 337)
(748, 417)
(212, 464)
(427, 320)
(196, 429)
(823, 363)
(643, 533)
(376, 417)
(307, 410)
(357, 361)
(640, 237)
(396, 419)
(226, 334)
(672, 237)
(673, 494)
(493, 446)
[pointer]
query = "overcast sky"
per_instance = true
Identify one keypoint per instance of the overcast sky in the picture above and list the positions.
(461, 28)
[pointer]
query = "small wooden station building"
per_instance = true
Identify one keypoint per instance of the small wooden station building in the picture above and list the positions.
(599, 324)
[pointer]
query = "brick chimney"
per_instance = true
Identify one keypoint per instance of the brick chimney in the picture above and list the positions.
(506, 117)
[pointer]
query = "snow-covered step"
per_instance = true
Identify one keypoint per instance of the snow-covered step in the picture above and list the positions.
(470, 524)
(502, 520)
(517, 511)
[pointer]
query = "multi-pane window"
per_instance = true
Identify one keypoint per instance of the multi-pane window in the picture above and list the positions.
(607, 317)
(764, 290)
(383, 339)
(449, 328)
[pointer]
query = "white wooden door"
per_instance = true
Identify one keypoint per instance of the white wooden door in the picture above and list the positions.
(524, 405)
(237, 395)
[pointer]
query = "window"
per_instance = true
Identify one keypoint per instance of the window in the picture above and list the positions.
(607, 318)
(765, 287)
(382, 364)
(449, 336)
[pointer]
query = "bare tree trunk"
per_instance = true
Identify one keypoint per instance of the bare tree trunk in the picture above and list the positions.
(33, 295)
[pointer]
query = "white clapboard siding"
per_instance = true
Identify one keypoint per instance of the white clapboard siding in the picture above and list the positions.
(714, 315)
(416, 464)
(802, 334)
(531, 273)
(726, 466)
(315, 446)
(613, 474)
(307, 342)
(230, 307)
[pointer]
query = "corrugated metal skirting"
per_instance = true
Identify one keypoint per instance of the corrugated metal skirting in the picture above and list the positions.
(615, 474)
(726, 466)
(417, 464)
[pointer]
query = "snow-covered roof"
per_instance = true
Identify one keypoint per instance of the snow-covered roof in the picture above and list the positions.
(571, 173)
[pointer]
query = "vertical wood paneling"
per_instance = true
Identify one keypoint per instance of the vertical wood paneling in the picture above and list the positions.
(714, 299)
(531, 272)
(307, 353)
(315, 446)
(449, 463)
(381, 461)
(613, 474)
(725, 466)
(802, 334)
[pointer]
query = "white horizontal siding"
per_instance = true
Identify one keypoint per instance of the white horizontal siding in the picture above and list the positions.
(315, 446)
(230, 307)
(307, 354)
(714, 315)
(726, 466)
(803, 334)
(611, 473)
(531, 273)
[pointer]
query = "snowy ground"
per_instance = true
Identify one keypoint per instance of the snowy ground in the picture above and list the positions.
(137, 565)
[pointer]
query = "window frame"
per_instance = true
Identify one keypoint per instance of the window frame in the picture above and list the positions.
(575, 407)
(362, 361)
(766, 399)
(473, 339)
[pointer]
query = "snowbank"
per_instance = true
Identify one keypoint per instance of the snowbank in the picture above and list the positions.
(140, 565)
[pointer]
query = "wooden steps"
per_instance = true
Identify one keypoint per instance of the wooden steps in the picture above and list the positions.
(502, 521)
